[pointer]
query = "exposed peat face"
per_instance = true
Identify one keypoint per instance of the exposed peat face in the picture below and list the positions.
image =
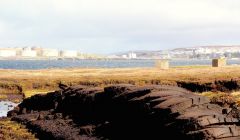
(126, 112)
(219, 85)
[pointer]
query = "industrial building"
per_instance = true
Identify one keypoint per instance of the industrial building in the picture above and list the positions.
(29, 53)
(37, 52)
(50, 53)
(8, 52)
(132, 55)
(69, 54)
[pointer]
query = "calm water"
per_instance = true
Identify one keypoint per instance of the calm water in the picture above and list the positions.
(44, 64)
(6, 106)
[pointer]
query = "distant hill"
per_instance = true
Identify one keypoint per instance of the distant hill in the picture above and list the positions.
(185, 52)
(143, 53)
(207, 47)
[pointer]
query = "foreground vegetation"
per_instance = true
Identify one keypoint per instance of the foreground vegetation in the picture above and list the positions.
(29, 82)
(10, 130)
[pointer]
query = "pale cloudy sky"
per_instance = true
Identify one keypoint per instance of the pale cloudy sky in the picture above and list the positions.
(105, 26)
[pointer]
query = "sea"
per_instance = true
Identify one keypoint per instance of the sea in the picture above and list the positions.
(48, 64)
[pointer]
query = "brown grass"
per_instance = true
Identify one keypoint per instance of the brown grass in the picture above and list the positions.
(46, 80)
(13, 131)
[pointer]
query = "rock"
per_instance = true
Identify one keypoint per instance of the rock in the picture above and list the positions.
(24, 111)
(128, 112)
(87, 130)
(58, 116)
(49, 117)
(40, 117)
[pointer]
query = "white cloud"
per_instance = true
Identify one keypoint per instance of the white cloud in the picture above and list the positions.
(2, 26)
(108, 25)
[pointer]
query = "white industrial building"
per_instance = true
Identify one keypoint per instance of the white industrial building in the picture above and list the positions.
(50, 53)
(29, 53)
(69, 53)
(26, 48)
(8, 53)
(132, 55)
(124, 56)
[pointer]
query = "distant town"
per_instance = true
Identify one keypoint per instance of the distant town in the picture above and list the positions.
(43, 53)
(201, 52)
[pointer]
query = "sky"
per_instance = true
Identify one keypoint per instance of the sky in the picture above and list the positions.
(108, 26)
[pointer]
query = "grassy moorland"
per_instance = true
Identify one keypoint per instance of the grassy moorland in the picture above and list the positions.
(29, 82)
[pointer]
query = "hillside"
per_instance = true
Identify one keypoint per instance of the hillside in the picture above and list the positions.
(186, 52)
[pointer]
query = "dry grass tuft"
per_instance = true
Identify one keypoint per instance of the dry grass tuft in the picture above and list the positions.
(13, 131)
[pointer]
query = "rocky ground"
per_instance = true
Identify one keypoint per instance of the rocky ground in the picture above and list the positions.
(127, 112)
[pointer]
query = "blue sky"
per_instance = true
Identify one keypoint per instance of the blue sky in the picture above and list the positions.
(106, 26)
